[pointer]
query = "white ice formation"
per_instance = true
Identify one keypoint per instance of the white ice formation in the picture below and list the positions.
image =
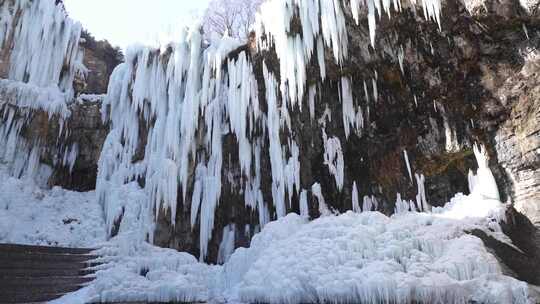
(190, 96)
(171, 109)
(42, 58)
(170, 112)
(366, 257)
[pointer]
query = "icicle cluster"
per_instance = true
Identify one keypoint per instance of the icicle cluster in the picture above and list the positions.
(189, 96)
(431, 9)
(188, 101)
(44, 44)
(41, 45)
(369, 203)
(323, 24)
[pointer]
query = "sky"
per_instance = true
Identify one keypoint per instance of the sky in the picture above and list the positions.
(124, 22)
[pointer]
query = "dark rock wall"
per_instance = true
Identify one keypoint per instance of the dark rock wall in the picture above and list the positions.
(525, 262)
(87, 129)
(517, 141)
(84, 128)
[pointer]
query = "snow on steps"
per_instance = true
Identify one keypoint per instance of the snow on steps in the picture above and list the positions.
(37, 273)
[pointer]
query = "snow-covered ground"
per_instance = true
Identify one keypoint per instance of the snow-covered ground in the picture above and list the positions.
(353, 257)
(56, 217)
(368, 258)
(346, 258)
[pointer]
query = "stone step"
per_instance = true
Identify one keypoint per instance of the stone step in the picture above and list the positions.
(36, 264)
(29, 297)
(40, 273)
(36, 289)
(35, 256)
(36, 274)
(42, 249)
(46, 281)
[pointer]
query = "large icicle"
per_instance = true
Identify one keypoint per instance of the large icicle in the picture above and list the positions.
(276, 154)
(304, 208)
(226, 247)
(406, 155)
(421, 199)
(355, 203)
(483, 182)
(333, 158)
(317, 193)
(348, 111)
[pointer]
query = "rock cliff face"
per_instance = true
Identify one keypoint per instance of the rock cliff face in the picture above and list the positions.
(517, 141)
(87, 130)
(424, 94)
(100, 57)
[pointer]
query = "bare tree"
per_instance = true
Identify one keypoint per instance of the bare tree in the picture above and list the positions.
(232, 16)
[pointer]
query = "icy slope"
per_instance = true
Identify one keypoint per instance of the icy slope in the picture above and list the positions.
(31, 215)
(354, 257)
(372, 258)
(369, 258)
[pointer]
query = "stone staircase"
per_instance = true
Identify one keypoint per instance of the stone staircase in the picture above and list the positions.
(36, 274)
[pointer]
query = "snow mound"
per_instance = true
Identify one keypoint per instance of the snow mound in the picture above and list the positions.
(369, 258)
(31, 215)
(363, 257)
